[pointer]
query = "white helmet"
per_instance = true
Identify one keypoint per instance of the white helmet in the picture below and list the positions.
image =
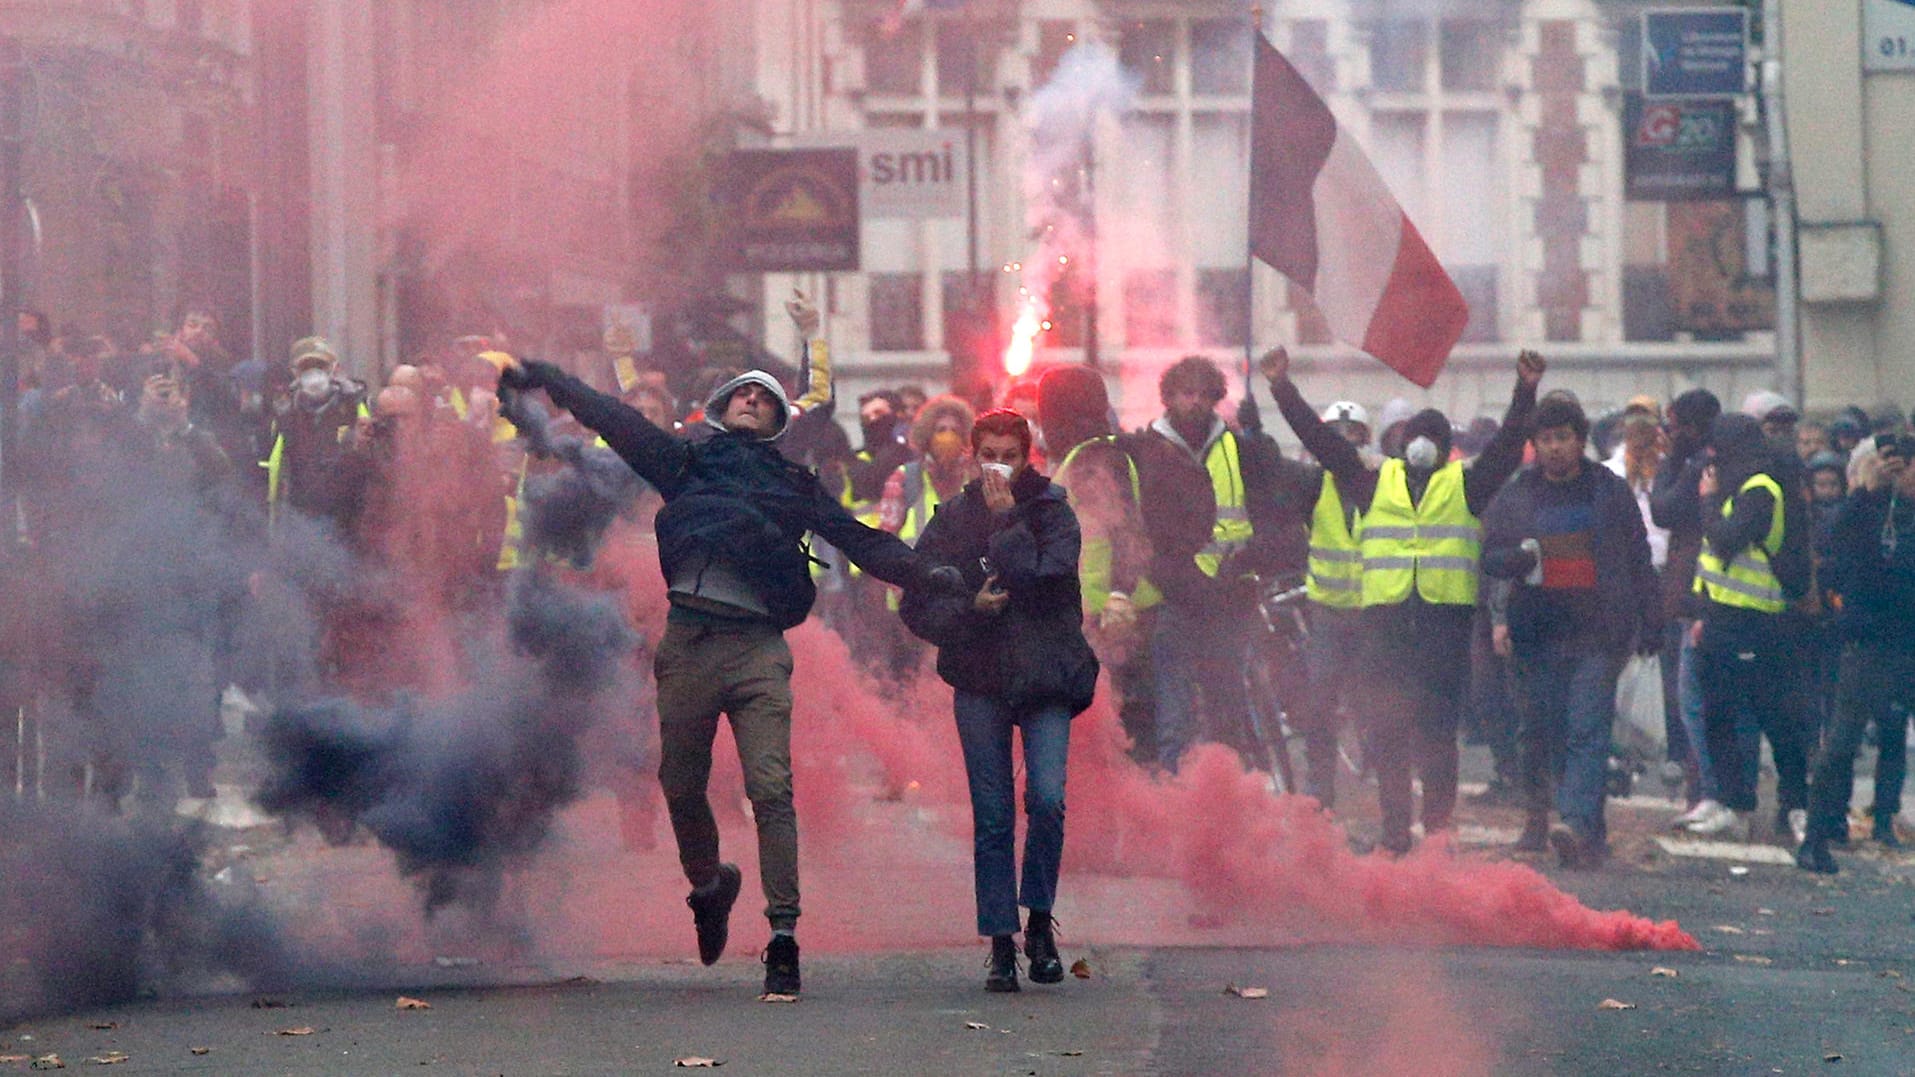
(1347, 411)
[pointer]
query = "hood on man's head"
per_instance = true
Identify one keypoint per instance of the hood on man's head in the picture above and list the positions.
(1739, 444)
(1766, 405)
(1433, 424)
(715, 403)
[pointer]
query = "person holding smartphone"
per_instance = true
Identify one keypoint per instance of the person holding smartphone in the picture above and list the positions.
(1013, 648)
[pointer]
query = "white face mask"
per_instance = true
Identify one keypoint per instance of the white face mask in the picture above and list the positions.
(314, 382)
(1003, 470)
(1420, 453)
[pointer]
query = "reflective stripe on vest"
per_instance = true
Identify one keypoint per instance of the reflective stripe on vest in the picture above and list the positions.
(1435, 547)
(1336, 562)
(1748, 581)
(1232, 531)
(919, 505)
(1096, 560)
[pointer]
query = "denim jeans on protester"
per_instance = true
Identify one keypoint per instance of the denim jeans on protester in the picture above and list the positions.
(1567, 692)
(1197, 666)
(1689, 693)
(1669, 664)
(984, 730)
(1874, 680)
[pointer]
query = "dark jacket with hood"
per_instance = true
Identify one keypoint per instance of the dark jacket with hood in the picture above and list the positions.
(1742, 452)
(1628, 606)
(1032, 651)
(735, 509)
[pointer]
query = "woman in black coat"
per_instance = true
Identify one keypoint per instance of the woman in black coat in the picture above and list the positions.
(1015, 652)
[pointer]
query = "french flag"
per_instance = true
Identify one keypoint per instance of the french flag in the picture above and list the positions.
(1321, 216)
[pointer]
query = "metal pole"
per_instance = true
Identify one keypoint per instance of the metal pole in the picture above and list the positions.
(12, 276)
(1250, 211)
(1788, 345)
(973, 289)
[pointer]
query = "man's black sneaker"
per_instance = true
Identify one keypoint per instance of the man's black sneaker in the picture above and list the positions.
(1574, 850)
(1040, 945)
(1884, 833)
(711, 912)
(781, 967)
(1535, 836)
(1002, 976)
(1814, 856)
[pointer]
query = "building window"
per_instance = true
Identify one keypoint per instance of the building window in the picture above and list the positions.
(1437, 142)
(1219, 56)
(894, 63)
(896, 311)
(1222, 299)
(1150, 308)
(1399, 52)
(1054, 38)
(1148, 50)
(962, 67)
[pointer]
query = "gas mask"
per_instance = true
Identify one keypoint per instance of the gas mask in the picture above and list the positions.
(945, 446)
(1420, 453)
(313, 383)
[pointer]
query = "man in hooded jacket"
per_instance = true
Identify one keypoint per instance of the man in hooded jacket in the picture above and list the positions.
(1754, 564)
(1421, 543)
(731, 546)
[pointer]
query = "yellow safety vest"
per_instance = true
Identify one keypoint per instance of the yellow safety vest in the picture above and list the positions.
(1748, 581)
(1095, 559)
(512, 543)
(1435, 547)
(919, 509)
(1232, 531)
(1336, 561)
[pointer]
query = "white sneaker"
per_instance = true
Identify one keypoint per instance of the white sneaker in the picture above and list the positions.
(1799, 824)
(1704, 809)
(1720, 821)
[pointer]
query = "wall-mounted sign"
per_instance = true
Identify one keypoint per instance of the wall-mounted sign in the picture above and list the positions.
(904, 173)
(1678, 151)
(790, 211)
(1888, 35)
(1695, 52)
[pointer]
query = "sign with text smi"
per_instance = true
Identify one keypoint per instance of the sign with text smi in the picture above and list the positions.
(904, 173)
(1695, 52)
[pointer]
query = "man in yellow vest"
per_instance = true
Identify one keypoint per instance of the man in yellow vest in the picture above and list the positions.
(1335, 582)
(1198, 645)
(1754, 564)
(1097, 467)
(1421, 547)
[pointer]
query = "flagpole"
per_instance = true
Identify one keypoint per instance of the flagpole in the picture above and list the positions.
(1249, 256)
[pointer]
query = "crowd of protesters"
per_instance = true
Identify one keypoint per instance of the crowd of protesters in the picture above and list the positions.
(1494, 580)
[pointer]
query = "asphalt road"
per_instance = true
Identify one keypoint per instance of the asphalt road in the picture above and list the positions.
(1801, 975)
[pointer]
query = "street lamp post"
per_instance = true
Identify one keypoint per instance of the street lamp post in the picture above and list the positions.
(12, 275)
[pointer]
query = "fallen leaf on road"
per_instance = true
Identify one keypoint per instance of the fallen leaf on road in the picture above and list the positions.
(1661, 971)
(1070, 1054)
(1080, 968)
(1738, 871)
(693, 1062)
(303, 1030)
(1822, 910)
(977, 1026)
(1754, 959)
(102, 1026)
(48, 1062)
(1730, 929)
(413, 1003)
(269, 1004)
(16, 1058)
(1831, 1058)
(110, 1058)
(775, 997)
(1614, 1004)
(1247, 992)
(201, 1050)
(1889, 974)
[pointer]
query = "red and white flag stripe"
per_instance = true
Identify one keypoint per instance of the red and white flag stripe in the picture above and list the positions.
(1322, 216)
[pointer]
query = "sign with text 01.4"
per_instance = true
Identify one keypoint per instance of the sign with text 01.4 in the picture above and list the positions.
(789, 211)
(1888, 35)
(1695, 52)
(1678, 151)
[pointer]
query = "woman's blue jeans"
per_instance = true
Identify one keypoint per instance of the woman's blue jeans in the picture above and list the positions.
(984, 729)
